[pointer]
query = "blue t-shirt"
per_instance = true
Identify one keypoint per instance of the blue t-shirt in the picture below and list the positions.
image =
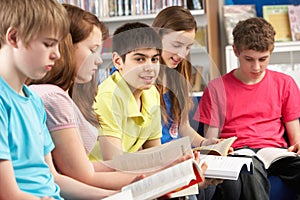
(25, 140)
(170, 130)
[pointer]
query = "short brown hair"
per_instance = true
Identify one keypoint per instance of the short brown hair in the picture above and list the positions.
(254, 34)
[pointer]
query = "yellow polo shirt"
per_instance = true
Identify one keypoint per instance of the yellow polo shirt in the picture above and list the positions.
(121, 117)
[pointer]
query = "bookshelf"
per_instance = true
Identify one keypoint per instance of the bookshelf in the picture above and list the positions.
(206, 57)
(285, 58)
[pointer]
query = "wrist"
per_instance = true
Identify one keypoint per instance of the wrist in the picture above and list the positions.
(202, 142)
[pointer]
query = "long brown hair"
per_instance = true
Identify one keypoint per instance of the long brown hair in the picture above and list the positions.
(175, 18)
(64, 72)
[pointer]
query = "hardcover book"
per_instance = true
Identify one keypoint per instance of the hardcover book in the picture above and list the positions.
(294, 19)
(277, 15)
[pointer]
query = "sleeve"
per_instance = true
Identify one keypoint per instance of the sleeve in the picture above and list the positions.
(110, 114)
(291, 102)
(208, 111)
(4, 150)
(60, 111)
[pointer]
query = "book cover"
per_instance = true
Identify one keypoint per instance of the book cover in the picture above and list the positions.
(163, 183)
(232, 14)
(277, 16)
(294, 19)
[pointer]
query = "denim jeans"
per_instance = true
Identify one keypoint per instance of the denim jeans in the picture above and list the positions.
(254, 186)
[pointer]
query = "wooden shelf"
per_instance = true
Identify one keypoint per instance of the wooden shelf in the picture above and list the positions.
(141, 17)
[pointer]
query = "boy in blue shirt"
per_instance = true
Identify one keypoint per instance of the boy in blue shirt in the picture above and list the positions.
(30, 31)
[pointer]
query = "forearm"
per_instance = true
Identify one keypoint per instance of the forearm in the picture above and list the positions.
(8, 186)
(186, 130)
(113, 180)
(211, 132)
(72, 189)
(293, 131)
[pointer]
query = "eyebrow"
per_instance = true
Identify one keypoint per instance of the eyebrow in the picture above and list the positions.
(141, 54)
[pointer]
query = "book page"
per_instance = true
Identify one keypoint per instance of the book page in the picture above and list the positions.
(152, 159)
(164, 181)
(269, 155)
(121, 195)
(220, 148)
(243, 152)
(224, 167)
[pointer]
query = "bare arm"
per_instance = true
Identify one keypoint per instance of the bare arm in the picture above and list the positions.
(293, 132)
(211, 132)
(197, 140)
(71, 160)
(110, 146)
(72, 189)
(151, 143)
(8, 186)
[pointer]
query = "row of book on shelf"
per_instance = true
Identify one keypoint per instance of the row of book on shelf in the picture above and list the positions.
(284, 18)
(182, 179)
(111, 8)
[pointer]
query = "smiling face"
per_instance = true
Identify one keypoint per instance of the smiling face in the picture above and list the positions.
(252, 65)
(140, 68)
(176, 46)
(88, 56)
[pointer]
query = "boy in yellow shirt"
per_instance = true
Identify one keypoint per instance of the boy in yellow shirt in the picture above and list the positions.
(128, 103)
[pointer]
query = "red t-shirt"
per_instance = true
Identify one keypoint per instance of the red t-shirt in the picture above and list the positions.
(254, 113)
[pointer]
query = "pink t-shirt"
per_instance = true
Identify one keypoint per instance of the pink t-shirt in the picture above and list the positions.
(254, 113)
(62, 113)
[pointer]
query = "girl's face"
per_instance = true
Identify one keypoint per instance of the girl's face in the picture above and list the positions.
(176, 46)
(88, 56)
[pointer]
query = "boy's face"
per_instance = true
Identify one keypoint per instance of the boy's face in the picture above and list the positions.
(38, 58)
(140, 69)
(252, 65)
(88, 56)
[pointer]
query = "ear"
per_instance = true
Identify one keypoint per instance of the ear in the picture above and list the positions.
(117, 61)
(12, 37)
(236, 52)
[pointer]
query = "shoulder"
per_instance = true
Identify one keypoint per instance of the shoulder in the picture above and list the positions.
(280, 78)
(53, 97)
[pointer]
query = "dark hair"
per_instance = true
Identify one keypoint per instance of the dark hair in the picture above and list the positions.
(175, 18)
(254, 34)
(135, 35)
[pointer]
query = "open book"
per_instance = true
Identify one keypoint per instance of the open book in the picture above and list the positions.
(152, 159)
(219, 149)
(226, 167)
(164, 183)
(267, 155)
(156, 159)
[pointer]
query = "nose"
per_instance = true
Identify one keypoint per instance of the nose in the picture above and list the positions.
(183, 52)
(148, 67)
(55, 54)
(256, 65)
(98, 60)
